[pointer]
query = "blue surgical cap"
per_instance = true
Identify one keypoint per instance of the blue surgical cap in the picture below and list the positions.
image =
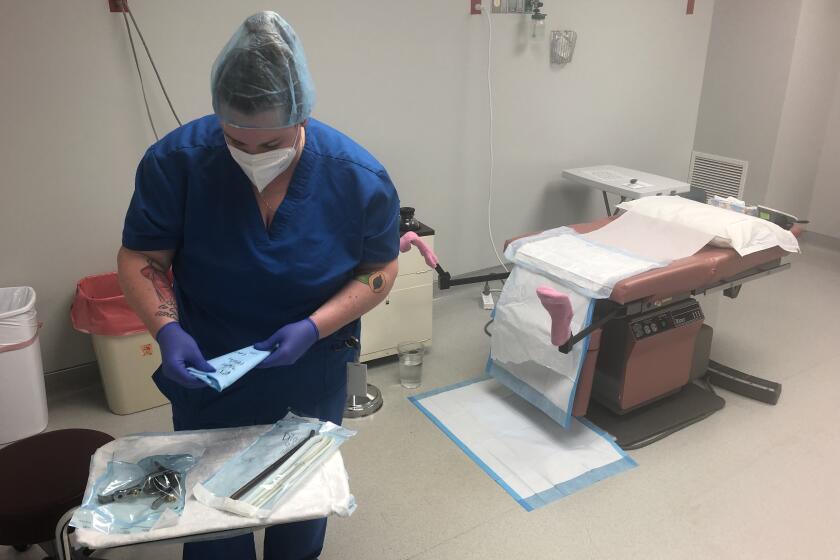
(260, 79)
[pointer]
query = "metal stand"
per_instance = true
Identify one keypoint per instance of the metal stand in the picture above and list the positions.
(359, 406)
(363, 399)
(610, 211)
(445, 280)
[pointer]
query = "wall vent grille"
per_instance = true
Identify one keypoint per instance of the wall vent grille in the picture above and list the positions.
(718, 175)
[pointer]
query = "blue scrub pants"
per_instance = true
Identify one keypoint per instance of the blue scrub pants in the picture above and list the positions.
(291, 541)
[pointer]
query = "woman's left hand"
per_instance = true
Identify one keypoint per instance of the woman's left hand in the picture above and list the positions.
(289, 343)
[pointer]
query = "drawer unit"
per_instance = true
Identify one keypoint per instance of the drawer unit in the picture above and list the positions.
(406, 314)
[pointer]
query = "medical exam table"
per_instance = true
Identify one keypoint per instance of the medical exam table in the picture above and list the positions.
(648, 342)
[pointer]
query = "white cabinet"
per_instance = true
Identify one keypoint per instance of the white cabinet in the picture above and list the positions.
(406, 314)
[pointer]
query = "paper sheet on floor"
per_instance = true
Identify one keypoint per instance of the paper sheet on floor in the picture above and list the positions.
(523, 450)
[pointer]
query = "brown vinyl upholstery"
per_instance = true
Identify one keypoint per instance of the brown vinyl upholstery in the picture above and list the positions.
(706, 267)
(41, 478)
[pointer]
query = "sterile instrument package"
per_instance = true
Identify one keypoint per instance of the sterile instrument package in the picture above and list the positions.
(259, 479)
(230, 367)
(326, 492)
(143, 487)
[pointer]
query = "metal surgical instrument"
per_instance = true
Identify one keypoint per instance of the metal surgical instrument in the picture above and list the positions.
(165, 483)
(271, 468)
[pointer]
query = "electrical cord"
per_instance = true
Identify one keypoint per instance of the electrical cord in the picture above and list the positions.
(490, 322)
(140, 75)
(708, 383)
(486, 11)
(151, 60)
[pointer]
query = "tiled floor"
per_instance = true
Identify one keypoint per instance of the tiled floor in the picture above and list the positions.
(752, 481)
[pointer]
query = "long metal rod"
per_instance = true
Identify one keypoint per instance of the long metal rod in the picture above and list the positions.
(624, 310)
(738, 280)
(293, 473)
(478, 279)
(445, 280)
(616, 313)
(270, 469)
(617, 209)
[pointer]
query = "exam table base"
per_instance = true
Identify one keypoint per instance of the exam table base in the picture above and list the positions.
(658, 420)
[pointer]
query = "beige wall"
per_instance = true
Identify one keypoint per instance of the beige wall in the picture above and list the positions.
(825, 203)
(749, 60)
(810, 91)
(771, 79)
(407, 79)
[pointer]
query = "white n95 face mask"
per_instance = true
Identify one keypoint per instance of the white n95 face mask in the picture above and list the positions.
(263, 168)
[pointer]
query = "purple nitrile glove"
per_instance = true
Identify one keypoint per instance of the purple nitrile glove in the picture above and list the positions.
(289, 343)
(178, 351)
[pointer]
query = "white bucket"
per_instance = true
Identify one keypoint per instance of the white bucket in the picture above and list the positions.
(126, 364)
(23, 400)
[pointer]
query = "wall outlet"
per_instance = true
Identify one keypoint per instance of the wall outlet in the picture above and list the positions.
(487, 301)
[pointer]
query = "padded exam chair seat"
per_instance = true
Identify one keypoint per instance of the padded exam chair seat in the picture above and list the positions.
(705, 268)
(702, 269)
(41, 478)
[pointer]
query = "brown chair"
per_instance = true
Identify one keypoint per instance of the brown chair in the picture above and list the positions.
(41, 478)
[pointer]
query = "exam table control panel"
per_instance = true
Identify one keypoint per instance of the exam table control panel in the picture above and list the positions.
(667, 320)
(647, 356)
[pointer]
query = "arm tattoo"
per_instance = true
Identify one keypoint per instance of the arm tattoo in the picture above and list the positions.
(163, 289)
(375, 280)
(167, 310)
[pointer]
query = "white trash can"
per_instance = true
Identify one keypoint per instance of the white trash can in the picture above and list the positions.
(126, 364)
(125, 351)
(23, 400)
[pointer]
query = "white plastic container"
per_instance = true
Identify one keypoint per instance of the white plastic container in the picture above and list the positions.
(23, 399)
(126, 364)
(125, 351)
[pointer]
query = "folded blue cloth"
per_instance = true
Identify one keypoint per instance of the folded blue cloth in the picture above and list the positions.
(230, 367)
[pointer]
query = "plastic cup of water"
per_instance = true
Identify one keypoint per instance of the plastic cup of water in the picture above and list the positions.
(411, 363)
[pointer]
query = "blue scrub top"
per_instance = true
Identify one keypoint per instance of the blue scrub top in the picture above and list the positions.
(236, 282)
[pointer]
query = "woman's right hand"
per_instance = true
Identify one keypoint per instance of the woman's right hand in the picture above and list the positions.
(178, 352)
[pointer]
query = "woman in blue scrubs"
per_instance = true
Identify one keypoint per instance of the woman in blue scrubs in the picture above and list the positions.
(279, 231)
